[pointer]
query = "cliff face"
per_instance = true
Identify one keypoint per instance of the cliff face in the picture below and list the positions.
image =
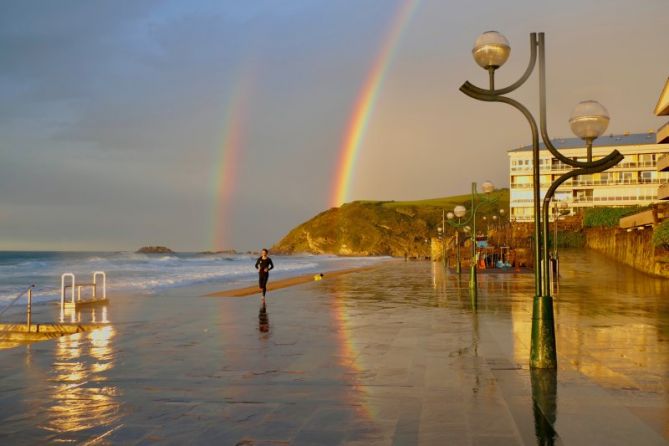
(360, 229)
(376, 228)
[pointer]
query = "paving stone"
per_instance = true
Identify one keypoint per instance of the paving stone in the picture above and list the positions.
(394, 356)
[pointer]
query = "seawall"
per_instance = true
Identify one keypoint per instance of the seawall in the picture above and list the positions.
(634, 248)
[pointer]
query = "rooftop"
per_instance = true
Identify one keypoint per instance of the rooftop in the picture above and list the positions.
(628, 139)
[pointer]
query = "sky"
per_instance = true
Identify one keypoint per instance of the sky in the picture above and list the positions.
(206, 125)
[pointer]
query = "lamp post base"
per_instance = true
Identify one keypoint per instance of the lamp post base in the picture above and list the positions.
(543, 354)
(473, 289)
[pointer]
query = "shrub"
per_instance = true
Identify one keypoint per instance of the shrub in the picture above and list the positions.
(661, 235)
(569, 239)
(605, 216)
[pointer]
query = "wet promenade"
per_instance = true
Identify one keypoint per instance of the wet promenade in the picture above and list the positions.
(395, 356)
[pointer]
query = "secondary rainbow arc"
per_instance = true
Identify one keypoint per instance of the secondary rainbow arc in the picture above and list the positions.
(227, 166)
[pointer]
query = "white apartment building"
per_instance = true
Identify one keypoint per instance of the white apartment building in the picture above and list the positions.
(634, 181)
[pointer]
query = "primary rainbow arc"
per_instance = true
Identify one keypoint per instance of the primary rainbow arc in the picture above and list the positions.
(365, 103)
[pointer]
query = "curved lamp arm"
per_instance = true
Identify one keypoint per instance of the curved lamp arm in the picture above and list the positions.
(543, 121)
(484, 96)
(481, 94)
(481, 199)
(461, 223)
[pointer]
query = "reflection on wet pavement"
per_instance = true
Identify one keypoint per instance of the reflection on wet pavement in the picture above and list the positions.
(393, 355)
(81, 398)
(544, 407)
(263, 319)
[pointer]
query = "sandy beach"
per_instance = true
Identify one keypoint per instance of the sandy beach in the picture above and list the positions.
(391, 356)
(292, 281)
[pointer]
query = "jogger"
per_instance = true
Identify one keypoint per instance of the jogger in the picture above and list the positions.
(264, 265)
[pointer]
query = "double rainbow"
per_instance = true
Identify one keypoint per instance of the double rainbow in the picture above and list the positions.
(366, 101)
(227, 165)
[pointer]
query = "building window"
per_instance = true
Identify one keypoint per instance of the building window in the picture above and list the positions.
(647, 160)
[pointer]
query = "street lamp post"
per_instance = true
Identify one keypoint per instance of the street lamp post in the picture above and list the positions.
(556, 216)
(450, 217)
(559, 210)
(427, 250)
(441, 242)
(468, 230)
(460, 212)
(442, 236)
(502, 225)
(588, 120)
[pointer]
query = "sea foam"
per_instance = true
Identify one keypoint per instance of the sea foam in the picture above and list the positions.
(146, 273)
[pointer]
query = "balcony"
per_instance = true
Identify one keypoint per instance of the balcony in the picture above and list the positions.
(663, 192)
(528, 185)
(662, 135)
(662, 107)
(615, 200)
(561, 167)
(632, 199)
(590, 183)
(624, 182)
(663, 164)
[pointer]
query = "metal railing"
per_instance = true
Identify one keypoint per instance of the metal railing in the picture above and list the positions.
(28, 290)
(78, 287)
(582, 199)
(587, 199)
(573, 183)
(558, 167)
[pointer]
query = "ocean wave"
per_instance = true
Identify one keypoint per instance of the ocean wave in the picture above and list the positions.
(127, 271)
(95, 259)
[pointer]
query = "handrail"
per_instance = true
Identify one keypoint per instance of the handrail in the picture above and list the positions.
(77, 286)
(104, 284)
(20, 295)
(62, 288)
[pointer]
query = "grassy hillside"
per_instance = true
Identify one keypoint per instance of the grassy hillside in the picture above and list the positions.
(394, 228)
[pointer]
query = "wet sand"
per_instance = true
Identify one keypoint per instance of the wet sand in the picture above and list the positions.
(292, 281)
(393, 357)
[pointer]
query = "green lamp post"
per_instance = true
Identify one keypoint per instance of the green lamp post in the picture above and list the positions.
(450, 216)
(588, 120)
(461, 212)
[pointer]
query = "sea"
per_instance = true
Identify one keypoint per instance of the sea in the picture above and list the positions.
(150, 273)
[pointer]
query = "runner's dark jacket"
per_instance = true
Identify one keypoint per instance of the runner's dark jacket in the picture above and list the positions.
(261, 264)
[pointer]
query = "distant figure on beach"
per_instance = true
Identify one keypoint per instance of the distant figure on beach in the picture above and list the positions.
(318, 277)
(263, 265)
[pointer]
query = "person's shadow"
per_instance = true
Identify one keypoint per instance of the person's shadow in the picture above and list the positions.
(263, 319)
